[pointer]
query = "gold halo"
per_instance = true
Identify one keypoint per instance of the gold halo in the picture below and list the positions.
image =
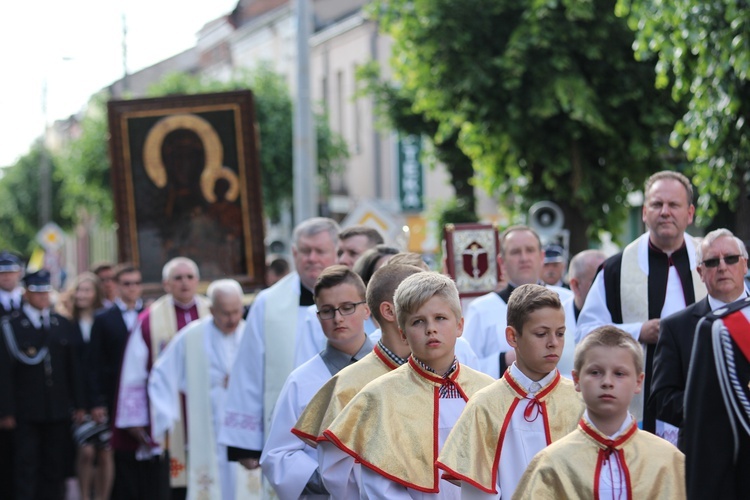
(152, 160)
(208, 182)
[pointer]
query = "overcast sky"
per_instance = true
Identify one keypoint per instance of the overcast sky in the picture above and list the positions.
(75, 47)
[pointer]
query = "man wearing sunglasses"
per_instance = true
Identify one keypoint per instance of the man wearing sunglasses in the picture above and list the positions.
(653, 277)
(723, 263)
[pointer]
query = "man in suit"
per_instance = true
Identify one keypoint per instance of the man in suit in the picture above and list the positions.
(716, 428)
(722, 265)
(109, 334)
(39, 384)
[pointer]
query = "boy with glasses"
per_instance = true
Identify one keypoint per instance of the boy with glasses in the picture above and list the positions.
(290, 465)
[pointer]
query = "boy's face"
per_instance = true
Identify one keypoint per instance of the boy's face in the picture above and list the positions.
(539, 347)
(431, 332)
(345, 333)
(608, 381)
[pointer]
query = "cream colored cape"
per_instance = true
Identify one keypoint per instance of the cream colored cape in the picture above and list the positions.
(331, 399)
(569, 468)
(472, 451)
(634, 292)
(162, 327)
(391, 426)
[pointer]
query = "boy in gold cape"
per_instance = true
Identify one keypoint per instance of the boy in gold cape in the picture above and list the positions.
(607, 456)
(396, 425)
(530, 406)
(337, 468)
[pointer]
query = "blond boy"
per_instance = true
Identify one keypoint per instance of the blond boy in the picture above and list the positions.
(396, 425)
(507, 423)
(607, 456)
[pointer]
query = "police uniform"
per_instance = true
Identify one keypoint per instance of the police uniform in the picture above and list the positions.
(717, 406)
(9, 301)
(40, 385)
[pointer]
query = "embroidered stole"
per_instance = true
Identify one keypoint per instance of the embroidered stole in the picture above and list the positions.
(279, 335)
(162, 327)
(634, 302)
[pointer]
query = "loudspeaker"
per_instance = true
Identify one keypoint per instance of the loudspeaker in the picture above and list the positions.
(546, 218)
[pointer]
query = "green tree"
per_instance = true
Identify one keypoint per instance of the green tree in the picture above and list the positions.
(703, 49)
(546, 98)
(273, 109)
(19, 201)
(395, 108)
(84, 170)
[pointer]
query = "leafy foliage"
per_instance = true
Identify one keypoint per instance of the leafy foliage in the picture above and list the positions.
(703, 50)
(19, 201)
(546, 98)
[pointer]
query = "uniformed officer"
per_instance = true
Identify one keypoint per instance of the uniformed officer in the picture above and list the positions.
(40, 386)
(10, 276)
(10, 300)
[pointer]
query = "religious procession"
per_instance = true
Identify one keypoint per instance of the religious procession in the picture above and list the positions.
(372, 249)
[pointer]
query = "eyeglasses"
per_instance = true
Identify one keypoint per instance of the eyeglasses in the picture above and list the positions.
(728, 260)
(345, 309)
(130, 283)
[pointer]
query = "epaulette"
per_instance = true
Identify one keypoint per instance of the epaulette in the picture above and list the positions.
(728, 309)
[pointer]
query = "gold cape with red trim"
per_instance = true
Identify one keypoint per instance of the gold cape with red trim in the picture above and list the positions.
(331, 399)
(653, 467)
(472, 451)
(391, 425)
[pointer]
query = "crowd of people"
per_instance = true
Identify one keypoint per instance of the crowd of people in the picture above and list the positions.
(360, 373)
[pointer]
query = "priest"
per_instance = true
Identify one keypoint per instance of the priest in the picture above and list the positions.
(655, 276)
(148, 474)
(196, 365)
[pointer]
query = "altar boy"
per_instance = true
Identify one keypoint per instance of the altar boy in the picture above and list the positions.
(397, 423)
(507, 423)
(288, 464)
(607, 456)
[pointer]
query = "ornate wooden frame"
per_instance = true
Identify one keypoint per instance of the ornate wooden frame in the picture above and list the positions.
(482, 240)
(169, 157)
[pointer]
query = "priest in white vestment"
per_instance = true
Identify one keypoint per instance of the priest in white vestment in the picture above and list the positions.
(266, 352)
(144, 464)
(197, 365)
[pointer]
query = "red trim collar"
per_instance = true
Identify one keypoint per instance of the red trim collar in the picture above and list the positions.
(602, 440)
(432, 377)
(387, 361)
(522, 392)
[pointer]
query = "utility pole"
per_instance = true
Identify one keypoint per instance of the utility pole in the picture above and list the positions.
(45, 186)
(305, 146)
(124, 55)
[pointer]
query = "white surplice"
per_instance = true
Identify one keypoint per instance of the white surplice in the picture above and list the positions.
(287, 462)
(197, 364)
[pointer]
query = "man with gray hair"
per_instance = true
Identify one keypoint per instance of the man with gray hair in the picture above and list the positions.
(197, 364)
(148, 473)
(722, 266)
(273, 328)
(581, 273)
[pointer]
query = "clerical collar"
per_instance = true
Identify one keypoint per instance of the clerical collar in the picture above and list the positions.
(531, 386)
(447, 374)
(305, 296)
(715, 303)
(124, 307)
(186, 307)
(623, 428)
(396, 359)
(658, 250)
(337, 360)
